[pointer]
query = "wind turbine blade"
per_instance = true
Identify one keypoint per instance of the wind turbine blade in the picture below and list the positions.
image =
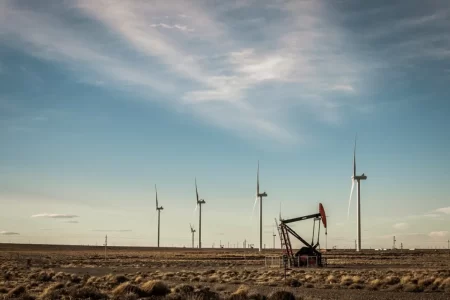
(257, 182)
(280, 212)
(254, 206)
(354, 158)
(156, 191)
(350, 199)
(196, 190)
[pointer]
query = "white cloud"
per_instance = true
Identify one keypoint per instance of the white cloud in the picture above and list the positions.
(438, 234)
(55, 216)
(431, 215)
(401, 226)
(176, 26)
(444, 210)
(8, 233)
(343, 88)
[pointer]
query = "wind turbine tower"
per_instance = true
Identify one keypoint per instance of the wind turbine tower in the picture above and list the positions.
(199, 204)
(158, 209)
(193, 233)
(260, 196)
(357, 179)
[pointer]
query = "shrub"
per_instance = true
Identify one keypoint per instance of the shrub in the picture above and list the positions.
(282, 295)
(183, 288)
(294, 282)
(414, 288)
(155, 288)
(16, 292)
(86, 292)
(126, 288)
(391, 280)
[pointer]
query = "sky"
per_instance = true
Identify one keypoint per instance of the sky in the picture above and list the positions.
(102, 100)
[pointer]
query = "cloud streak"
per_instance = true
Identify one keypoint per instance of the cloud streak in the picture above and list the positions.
(9, 233)
(438, 234)
(401, 226)
(55, 216)
(210, 68)
(200, 59)
(443, 210)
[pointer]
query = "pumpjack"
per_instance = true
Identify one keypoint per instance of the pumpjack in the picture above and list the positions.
(307, 255)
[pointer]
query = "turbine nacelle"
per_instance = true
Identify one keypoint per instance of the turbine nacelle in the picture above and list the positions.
(262, 194)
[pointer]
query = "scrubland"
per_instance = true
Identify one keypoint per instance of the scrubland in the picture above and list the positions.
(70, 272)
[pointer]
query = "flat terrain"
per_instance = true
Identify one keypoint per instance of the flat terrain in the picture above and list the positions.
(78, 272)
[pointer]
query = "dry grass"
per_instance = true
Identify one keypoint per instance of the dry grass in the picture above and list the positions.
(155, 288)
(64, 275)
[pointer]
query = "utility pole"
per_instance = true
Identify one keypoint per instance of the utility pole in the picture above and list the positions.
(106, 244)
(274, 235)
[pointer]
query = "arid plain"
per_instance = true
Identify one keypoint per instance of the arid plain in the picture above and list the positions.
(81, 272)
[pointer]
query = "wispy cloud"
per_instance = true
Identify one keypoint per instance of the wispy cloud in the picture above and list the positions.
(201, 59)
(111, 230)
(176, 26)
(55, 216)
(401, 226)
(8, 233)
(438, 234)
(72, 222)
(343, 88)
(443, 210)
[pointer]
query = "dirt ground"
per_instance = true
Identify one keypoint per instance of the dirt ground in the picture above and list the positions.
(77, 272)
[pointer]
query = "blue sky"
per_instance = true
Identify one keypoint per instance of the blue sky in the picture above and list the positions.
(100, 100)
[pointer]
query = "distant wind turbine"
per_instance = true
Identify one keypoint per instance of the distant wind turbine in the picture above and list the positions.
(357, 179)
(260, 197)
(158, 209)
(199, 204)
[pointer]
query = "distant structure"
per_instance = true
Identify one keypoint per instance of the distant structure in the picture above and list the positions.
(357, 179)
(106, 244)
(401, 246)
(273, 235)
(260, 197)
(193, 233)
(158, 209)
(199, 204)
(394, 240)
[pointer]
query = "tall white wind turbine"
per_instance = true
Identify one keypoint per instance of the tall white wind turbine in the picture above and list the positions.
(259, 196)
(199, 204)
(357, 179)
(158, 208)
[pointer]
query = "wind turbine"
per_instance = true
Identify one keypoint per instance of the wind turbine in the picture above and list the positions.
(193, 233)
(260, 196)
(199, 203)
(357, 179)
(274, 235)
(158, 209)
